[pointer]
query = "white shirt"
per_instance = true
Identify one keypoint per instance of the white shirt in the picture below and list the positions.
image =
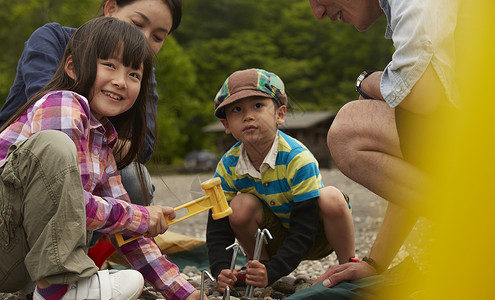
(245, 166)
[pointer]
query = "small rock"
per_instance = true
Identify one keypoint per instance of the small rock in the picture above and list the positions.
(302, 286)
(284, 285)
(216, 293)
(195, 284)
(262, 293)
(301, 279)
(278, 295)
(190, 271)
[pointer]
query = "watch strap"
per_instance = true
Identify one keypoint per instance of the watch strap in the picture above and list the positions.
(373, 264)
(359, 80)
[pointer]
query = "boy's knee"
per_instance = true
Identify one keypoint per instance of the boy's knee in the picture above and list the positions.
(244, 208)
(332, 202)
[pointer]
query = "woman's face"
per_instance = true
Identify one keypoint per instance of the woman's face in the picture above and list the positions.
(361, 13)
(152, 17)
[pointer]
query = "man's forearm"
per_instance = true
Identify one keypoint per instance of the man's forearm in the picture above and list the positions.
(396, 226)
(371, 85)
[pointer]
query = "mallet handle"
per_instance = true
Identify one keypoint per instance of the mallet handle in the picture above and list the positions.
(214, 197)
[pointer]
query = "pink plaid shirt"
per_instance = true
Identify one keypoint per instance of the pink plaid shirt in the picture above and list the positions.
(108, 208)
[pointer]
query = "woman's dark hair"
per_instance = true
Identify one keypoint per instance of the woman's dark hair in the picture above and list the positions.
(174, 5)
(103, 38)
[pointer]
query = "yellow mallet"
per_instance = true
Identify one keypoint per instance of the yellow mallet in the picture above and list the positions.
(214, 200)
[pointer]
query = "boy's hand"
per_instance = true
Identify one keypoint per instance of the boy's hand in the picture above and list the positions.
(256, 274)
(158, 224)
(226, 278)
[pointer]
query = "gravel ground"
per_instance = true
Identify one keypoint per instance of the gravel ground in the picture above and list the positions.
(367, 210)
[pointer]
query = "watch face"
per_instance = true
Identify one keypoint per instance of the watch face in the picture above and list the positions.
(360, 78)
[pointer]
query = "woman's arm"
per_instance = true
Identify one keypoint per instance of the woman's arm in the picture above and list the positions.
(39, 61)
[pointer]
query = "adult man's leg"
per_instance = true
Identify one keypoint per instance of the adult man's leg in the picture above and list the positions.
(364, 143)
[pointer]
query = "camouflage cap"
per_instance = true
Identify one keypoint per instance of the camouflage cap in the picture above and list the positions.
(247, 83)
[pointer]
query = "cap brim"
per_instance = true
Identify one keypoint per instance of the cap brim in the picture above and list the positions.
(220, 110)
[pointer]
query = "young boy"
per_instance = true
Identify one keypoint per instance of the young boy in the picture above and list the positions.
(271, 181)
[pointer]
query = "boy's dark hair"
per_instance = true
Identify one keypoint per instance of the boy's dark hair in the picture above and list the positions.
(174, 5)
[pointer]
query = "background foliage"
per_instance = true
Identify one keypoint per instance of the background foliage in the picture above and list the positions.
(318, 60)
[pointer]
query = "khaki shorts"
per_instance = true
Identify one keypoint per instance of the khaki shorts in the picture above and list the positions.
(42, 214)
(321, 247)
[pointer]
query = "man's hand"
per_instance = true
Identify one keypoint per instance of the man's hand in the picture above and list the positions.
(347, 271)
(256, 274)
(158, 224)
(226, 278)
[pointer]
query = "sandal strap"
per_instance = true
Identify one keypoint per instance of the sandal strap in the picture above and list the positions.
(105, 285)
(83, 286)
(82, 289)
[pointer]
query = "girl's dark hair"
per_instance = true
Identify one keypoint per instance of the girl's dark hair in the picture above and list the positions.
(103, 38)
(174, 5)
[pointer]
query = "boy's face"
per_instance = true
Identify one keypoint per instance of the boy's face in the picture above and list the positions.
(253, 120)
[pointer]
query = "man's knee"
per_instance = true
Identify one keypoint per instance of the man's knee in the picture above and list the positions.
(339, 146)
(340, 132)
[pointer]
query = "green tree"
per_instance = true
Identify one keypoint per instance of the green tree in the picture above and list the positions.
(180, 112)
(318, 60)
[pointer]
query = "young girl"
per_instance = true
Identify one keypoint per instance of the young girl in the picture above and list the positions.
(43, 51)
(56, 151)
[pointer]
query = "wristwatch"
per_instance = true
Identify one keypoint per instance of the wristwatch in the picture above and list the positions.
(359, 80)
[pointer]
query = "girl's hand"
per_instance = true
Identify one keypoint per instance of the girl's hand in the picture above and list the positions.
(196, 295)
(226, 278)
(256, 274)
(158, 224)
(347, 271)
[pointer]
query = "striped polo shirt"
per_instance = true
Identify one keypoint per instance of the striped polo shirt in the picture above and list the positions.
(295, 177)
